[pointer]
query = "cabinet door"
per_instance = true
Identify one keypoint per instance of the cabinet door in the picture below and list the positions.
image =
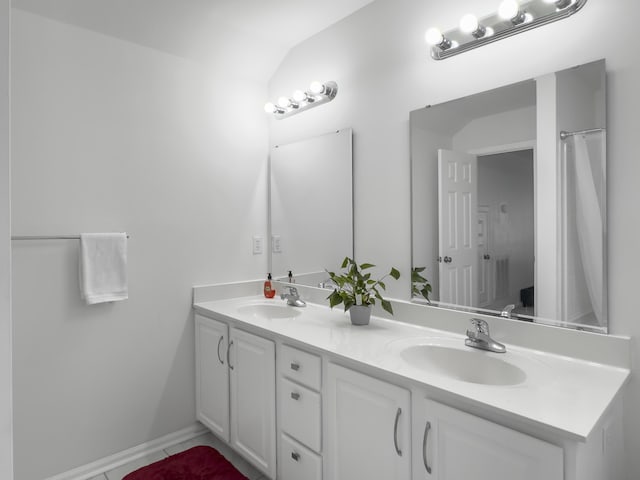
(368, 427)
(212, 375)
(253, 399)
(457, 445)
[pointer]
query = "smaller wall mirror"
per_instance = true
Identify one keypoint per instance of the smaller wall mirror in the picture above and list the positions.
(311, 206)
(509, 200)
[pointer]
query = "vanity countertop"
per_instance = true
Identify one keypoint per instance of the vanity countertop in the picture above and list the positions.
(561, 393)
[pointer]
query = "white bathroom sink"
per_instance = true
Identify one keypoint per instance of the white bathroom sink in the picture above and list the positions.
(450, 358)
(473, 366)
(269, 310)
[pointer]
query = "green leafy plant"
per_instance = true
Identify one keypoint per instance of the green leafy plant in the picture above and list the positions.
(420, 286)
(356, 287)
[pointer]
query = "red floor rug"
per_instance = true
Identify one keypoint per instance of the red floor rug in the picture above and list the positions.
(197, 463)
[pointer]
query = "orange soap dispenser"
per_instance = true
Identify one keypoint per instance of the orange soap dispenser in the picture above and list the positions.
(269, 291)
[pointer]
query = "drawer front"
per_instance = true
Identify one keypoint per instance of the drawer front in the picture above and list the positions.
(300, 415)
(303, 367)
(298, 462)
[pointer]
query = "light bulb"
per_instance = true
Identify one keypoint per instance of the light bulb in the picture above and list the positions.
(316, 88)
(299, 96)
(284, 102)
(434, 36)
(508, 9)
(469, 23)
(270, 107)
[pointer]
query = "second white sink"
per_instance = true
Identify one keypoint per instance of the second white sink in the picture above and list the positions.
(464, 365)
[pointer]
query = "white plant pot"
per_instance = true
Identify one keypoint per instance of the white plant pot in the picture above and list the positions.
(360, 314)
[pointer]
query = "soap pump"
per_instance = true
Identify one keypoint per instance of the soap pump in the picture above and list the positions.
(269, 291)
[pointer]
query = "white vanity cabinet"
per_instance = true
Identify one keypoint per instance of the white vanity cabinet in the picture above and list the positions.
(369, 427)
(253, 398)
(212, 375)
(349, 409)
(235, 390)
(451, 445)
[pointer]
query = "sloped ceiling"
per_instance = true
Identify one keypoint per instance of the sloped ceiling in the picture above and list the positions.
(252, 36)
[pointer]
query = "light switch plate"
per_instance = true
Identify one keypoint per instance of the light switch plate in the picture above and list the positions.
(276, 246)
(257, 244)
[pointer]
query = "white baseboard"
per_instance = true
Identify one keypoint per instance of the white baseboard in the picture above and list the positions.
(121, 458)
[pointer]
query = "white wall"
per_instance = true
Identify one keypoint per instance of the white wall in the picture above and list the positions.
(506, 128)
(383, 70)
(6, 453)
(112, 136)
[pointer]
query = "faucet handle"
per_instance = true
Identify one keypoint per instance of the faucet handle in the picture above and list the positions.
(481, 325)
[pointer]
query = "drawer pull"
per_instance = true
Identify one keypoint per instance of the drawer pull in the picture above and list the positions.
(295, 395)
(229, 355)
(219, 343)
(295, 456)
(395, 432)
(295, 366)
(425, 439)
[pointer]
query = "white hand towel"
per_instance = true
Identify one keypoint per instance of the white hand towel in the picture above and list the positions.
(103, 267)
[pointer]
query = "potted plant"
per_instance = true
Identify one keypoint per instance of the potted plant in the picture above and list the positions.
(420, 286)
(358, 291)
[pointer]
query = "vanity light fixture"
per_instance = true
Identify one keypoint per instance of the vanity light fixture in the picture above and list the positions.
(317, 94)
(469, 24)
(512, 17)
(436, 39)
(560, 4)
(510, 10)
(272, 108)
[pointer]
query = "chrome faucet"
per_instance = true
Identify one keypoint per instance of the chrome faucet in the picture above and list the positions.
(506, 311)
(328, 283)
(293, 298)
(480, 338)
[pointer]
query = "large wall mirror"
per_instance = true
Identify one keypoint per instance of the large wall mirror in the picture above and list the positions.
(509, 200)
(311, 206)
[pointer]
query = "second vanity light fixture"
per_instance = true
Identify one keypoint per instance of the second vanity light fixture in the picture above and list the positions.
(512, 17)
(300, 101)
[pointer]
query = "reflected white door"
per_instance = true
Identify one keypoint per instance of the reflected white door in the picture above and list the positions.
(458, 199)
(484, 258)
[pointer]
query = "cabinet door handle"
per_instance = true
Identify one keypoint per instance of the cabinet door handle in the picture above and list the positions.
(425, 440)
(228, 354)
(295, 456)
(295, 366)
(219, 343)
(395, 432)
(295, 395)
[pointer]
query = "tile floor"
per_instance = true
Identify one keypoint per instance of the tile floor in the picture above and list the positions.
(206, 439)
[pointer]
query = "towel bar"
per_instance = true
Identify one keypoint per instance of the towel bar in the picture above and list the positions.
(47, 237)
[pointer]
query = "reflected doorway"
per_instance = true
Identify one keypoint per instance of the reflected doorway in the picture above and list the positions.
(506, 212)
(486, 240)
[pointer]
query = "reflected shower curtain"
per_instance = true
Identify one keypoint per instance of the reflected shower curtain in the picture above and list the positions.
(589, 151)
